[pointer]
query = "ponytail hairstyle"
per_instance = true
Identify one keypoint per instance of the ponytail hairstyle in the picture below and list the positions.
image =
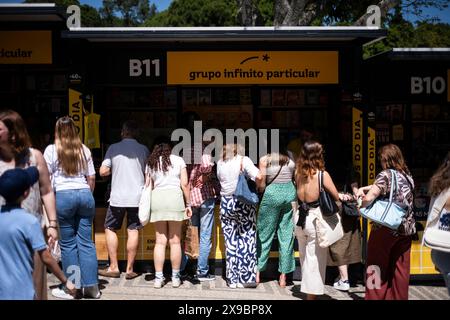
(69, 147)
(159, 159)
(441, 178)
(310, 160)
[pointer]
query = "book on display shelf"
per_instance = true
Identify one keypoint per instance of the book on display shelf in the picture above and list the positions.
(278, 97)
(266, 97)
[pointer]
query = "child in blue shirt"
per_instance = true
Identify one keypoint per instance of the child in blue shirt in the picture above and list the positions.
(20, 236)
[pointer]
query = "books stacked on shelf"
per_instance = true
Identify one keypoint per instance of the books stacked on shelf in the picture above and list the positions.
(170, 98)
(266, 97)
(278, 97)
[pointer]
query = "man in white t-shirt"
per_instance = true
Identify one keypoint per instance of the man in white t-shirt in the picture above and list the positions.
(125, 161)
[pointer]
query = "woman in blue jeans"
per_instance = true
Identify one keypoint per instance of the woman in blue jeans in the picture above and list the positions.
(73, 176)
(439, 215)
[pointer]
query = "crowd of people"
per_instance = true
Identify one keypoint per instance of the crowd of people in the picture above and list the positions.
(53, 191)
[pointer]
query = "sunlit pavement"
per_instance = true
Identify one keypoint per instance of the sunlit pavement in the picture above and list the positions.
(141, 288)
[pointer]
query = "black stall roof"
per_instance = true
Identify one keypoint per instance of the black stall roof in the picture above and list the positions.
(31, 12)
(200, 34)
(412, 54)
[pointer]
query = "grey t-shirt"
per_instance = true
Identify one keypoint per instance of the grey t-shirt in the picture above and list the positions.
(127, 162)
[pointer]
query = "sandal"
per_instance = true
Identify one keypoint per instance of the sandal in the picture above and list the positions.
(132, 275)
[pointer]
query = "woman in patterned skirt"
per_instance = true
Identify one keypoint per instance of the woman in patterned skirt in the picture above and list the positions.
(238, 219)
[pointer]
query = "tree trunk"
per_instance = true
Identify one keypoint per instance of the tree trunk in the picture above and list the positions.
(385, 6)
(247, 12)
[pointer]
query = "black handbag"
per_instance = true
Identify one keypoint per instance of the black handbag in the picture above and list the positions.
(327, 205)
(350, 208)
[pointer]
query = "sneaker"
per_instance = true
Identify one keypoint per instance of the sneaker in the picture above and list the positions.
(232, 285)
(240, 285)
(158, 283)
(176, 282)
(206, 277)
(342, 285)
(62, 293)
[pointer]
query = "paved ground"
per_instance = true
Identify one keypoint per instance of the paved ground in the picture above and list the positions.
(141, 288)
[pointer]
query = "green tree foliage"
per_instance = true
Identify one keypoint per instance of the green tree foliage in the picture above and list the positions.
(190, 13)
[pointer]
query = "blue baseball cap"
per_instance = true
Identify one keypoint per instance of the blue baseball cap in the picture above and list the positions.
(14, 182)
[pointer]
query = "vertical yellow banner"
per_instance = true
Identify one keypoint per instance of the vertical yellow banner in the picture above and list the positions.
(371, 155)
(357, 141)
(76, 110)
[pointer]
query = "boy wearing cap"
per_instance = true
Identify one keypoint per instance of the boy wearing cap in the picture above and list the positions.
(20, 236)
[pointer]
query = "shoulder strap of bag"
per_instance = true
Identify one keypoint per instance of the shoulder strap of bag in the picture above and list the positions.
(273, 179)
(241, 165)
(320, 181)
(393, 185)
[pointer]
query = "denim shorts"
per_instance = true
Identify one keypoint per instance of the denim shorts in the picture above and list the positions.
(115, 215)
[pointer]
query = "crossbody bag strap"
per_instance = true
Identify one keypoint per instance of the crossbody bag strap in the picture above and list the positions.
(273, 179)
(393, 185)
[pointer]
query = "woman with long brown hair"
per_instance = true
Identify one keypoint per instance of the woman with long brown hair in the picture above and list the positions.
(313, 258)
(72, 170)
(439, 215)
(168, 207)
(16, 151)
(388, 251)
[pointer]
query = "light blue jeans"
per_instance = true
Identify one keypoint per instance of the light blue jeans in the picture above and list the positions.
(202, 217)
(76, 211)
(442, 262)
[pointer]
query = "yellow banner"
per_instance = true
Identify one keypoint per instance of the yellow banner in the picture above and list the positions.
(25, 47)
(252, 67)
(76, 110)
(357, 135)
(371, 155)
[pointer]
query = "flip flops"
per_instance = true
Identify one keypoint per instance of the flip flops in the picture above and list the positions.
(132, 275)
(108, 273)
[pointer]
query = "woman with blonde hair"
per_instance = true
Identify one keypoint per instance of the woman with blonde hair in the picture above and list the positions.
(388, 251)
(170, 206)
(313, 258)
(238, 219)
(73, 175)
(16, 151)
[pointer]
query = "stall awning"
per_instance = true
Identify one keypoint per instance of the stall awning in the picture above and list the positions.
(31, 12)
(195, 34)
(412, 54)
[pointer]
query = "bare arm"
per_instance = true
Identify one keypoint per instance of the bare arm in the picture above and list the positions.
(47, 195)
(447, 205)
(56, 270)
(373, 193)
(91, 182)
(261, 183)
(186, 191)
(105, 171)
(328, 184)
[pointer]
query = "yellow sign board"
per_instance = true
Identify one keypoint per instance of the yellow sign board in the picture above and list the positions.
(371, 155)
(76, 110)
(252, 67)
(25, 47)
(357, 139)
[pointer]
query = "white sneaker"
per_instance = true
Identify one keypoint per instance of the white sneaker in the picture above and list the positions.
(176, 282)
(61, 294)
(240, 285)
(158, 283)
(342, 285)
(232, 285)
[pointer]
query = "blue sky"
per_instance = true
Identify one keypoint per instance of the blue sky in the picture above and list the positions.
(444, 15)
